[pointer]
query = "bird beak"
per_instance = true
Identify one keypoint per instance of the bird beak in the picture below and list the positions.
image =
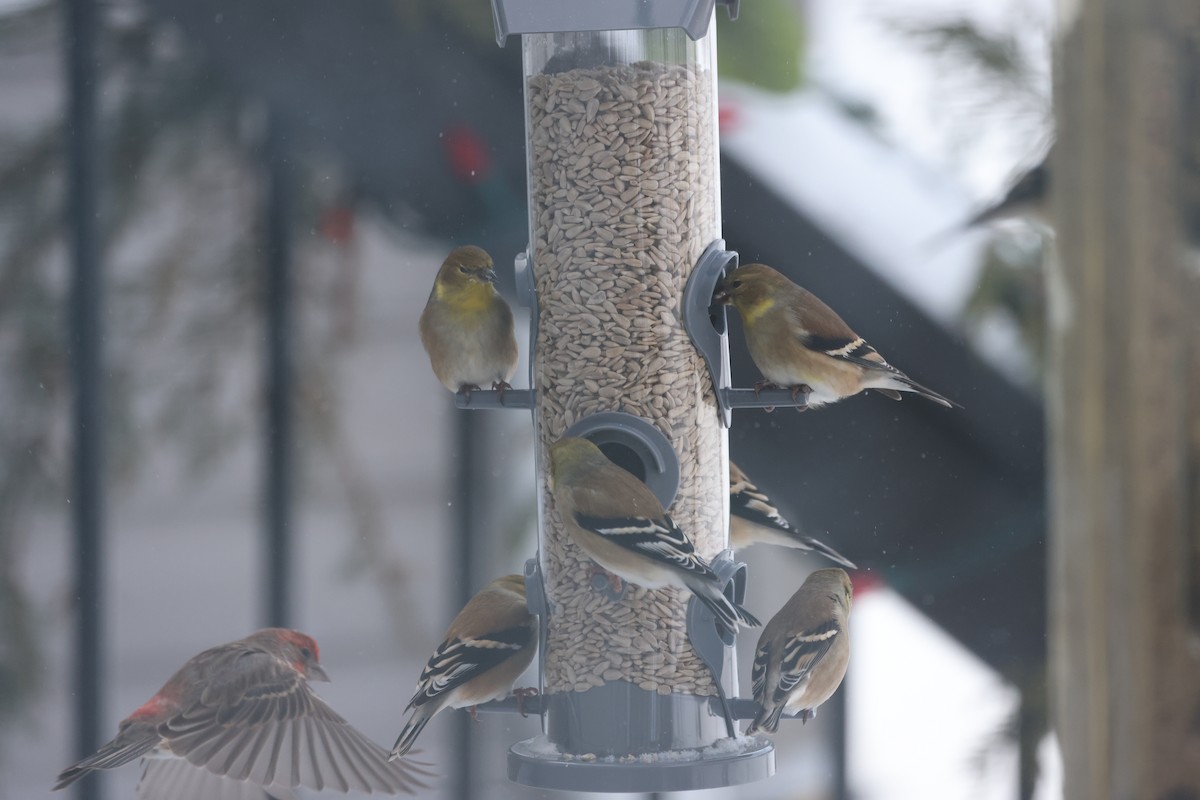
(721, 297)
(489, 275)
(317, 673)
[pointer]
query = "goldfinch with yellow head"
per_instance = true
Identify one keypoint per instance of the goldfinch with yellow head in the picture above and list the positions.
(467, 327)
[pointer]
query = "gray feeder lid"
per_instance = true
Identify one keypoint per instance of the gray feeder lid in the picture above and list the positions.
(565, 16)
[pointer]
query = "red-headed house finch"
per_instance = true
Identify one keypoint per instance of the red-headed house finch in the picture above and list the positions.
(245, 711)
(798, 342)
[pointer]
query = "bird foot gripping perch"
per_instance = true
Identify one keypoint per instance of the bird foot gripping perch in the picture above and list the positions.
(795, 391)
(522, 695)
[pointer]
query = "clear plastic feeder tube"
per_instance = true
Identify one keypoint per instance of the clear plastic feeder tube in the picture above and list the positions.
(624, 188)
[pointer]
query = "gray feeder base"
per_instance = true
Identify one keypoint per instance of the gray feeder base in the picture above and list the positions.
(536, 762)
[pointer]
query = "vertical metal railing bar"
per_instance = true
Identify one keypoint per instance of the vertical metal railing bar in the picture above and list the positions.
(841, 728)
(86, 347)
(470, 455)
(277, 309)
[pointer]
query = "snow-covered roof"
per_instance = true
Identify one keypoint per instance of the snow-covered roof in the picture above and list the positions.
(881, 205)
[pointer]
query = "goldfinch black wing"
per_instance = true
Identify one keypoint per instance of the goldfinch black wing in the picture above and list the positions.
(802, 653)
(458, 660)
(657, 539)
(855, 350)
(751, 504)
(758, 673)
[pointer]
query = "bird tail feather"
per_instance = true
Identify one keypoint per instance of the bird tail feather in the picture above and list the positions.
(907, 384)
(408, 736)
(128, 745)
(818, 546)
(766, 719)
(745, 616)
(728, 613)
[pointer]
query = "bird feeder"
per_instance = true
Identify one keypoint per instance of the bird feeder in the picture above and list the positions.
(624, 200)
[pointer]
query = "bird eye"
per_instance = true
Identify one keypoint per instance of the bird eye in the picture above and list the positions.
(736, 284)
(463, 269)
(304, 651)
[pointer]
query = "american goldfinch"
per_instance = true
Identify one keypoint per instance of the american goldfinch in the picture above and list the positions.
(489, 644)
(467, 327)
(803, 652)
(621, 525)
(752, 519)
(245, 711)
(799, 342)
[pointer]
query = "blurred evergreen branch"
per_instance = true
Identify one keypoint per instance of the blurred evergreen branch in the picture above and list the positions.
(992, 82)
(993, 85)
(181, 225)
(143, 108)
(997, 56)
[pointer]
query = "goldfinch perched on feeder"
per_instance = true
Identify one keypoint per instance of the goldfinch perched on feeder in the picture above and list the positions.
(799, 342)
(752, 519)
(803, 652)
(467, 327)
(489, 644)
(242, 716)
(621, 525)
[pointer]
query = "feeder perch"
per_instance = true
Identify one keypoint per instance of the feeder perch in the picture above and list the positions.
(490, 398)
(624, 200)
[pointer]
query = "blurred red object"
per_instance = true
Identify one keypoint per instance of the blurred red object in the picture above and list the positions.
(466, 151)
(865, 582)
(337, 224)
(727, 116)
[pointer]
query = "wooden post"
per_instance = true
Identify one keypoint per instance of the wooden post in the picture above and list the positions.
(1124, 400)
